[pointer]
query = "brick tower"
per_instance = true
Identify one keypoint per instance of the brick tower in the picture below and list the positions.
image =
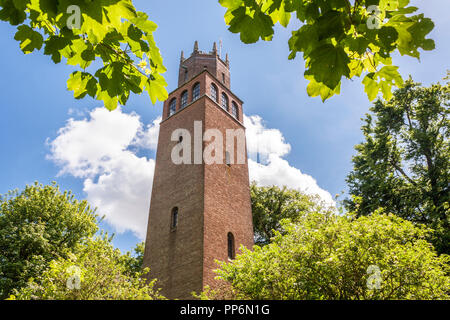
(199, 212)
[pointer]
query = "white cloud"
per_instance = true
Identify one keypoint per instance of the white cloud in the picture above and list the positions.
(272, 169)
(278, 172)
(148, 139)
(262, 140)
(102, 149)
(85, 148)
(123, 194)
(116, 180)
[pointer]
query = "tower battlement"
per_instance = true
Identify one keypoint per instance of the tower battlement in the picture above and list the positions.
(199, 61)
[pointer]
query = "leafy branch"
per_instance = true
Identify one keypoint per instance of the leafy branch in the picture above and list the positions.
(105, 27)
(336, 38)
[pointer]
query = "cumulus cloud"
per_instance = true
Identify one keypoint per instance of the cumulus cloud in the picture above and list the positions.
(263, 140)
(103, 150)
(266, 147)
(116, 180)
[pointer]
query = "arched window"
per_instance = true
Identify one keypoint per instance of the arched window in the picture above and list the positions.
(213, 92)
(172, 106)
(184, 99)
(174, 218)
(234, 110)
(230, 240)
(224, 102)
(196, 91)
(227, 158)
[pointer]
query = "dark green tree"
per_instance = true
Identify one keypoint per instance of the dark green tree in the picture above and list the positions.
(403, 164)
(37, 225)
(272, 204)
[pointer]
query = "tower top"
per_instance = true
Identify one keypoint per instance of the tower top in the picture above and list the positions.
(195, 46)
(200, 61)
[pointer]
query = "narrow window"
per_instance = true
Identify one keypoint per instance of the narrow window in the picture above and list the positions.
(224, 101)
(174, 221)
(172, 106)
(234, 110)
(230, 246)
(213, 92)
(223, 77)
(196, 92)
(184, 99)
(227, 158)
(185, 75)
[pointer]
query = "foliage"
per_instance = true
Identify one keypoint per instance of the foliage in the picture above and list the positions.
(95, 273)
(272, 204)
(339, 39)
(133, 262)
(38, 225)
(403, 164)
(110, 33)
(326, 256)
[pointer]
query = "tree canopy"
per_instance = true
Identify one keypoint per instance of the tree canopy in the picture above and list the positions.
(49, 250)
(329, 256)
(95, 272)
(37, 225)
(270, 205)
(403, 163)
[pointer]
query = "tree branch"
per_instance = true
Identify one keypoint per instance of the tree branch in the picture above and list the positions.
(402, 172)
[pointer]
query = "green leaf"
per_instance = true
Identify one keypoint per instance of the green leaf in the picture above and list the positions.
(315, 89)
(328, 64)
(251, 28)
(54, 45)
(74, 53)
(279, 14)
(358, 44)
(411, 33)
(142, 22)
(155, 55)
(156, 88)
(370, 86)
(30, 40)
(388, 5)
(304, 40)
(330, 24)
(21, 4)
(10, 13)
(111, 103)
(388, 36)
(383, 80)
(82, 83)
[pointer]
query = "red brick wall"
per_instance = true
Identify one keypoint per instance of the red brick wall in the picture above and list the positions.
(227, 206)
(175, 258)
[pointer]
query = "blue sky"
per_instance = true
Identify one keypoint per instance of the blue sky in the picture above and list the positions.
(35, 104)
